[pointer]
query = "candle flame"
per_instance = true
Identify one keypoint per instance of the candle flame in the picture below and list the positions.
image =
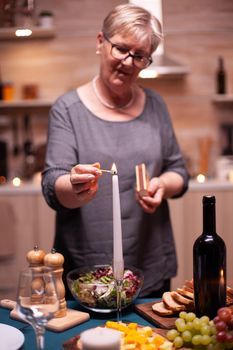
(114, 169)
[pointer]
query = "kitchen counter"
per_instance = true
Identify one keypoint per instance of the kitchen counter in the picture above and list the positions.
(210, 185)
(35, 188)
(26, 188)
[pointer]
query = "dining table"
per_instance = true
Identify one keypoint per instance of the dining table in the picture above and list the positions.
(55, 340)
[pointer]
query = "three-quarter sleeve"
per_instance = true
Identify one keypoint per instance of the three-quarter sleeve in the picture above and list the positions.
(61, 152)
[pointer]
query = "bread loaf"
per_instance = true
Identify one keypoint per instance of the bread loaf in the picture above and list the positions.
(185, 293)
(183, 300)
(171, 304)
(160, 309)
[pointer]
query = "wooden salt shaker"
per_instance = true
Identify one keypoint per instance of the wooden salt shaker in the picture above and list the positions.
(35, 258)
(55, 261)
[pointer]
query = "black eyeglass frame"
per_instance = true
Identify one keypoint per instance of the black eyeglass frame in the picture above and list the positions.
(129, 54)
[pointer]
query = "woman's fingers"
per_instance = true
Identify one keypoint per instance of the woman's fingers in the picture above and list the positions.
(84, 173)
(152, 202)
(81, 178)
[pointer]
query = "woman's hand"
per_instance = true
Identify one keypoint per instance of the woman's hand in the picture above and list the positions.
(165, 186)
(156, 189)
(84, 181)
(78, 188)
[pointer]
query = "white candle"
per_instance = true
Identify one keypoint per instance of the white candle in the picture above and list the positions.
(118, 262)
(100, 339)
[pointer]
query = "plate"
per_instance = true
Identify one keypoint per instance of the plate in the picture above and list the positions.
(11, 337)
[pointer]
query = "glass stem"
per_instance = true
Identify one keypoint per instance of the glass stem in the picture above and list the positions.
(118, 290)
(40, 331)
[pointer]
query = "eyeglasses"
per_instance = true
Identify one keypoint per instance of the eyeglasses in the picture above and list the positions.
(122, 53)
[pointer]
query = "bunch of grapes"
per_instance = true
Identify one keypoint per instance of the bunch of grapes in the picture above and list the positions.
(193, 332)
(224, 327)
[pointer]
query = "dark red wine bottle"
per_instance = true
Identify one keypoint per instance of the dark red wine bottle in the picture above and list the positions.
(209, 265)
(221, 77)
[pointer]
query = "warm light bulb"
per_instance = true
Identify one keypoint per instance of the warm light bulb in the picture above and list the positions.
(16, 181)
(200, 178)
(148, 73)
(23, 32)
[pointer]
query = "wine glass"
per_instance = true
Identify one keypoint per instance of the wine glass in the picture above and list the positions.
(119, 285)
(37, 299)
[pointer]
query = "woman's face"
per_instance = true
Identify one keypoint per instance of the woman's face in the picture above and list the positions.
(120, 73)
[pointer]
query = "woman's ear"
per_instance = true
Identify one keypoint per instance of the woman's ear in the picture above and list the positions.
(99, 42)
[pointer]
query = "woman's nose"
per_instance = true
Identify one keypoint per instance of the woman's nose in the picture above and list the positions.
(128, 61)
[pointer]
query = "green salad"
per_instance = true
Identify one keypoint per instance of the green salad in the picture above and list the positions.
(97, 288)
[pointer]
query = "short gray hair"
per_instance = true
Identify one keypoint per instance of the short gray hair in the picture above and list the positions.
(135, 20)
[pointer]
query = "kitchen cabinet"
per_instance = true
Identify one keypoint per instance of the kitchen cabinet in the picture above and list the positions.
(18, 107)
(224, 99)
(37, 33)
(29, 222)
(186, 214)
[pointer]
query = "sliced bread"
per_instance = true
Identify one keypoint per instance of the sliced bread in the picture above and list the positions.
(161, 310)
(171, 304)
(185, 293)
(183, 300)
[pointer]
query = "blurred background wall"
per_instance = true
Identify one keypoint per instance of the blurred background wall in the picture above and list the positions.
(197, 32)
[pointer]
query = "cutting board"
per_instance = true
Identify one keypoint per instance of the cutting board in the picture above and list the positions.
(72, 343)
(145, 310)
(72, 318)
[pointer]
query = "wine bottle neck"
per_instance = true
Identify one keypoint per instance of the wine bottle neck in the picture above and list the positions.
(220, 64)
(209, 220)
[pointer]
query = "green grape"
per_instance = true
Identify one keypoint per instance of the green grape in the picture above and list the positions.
(213, 339)
(210, 347)
(196, 340)
(172, 334)
(187, 336)
(178, 342)
(183, 315)
(204, 319)
(219, 346)
(212, 329)
(180, 324)
(205, 339)
(205, 329)
(189, 326)
(190, 316)
(196, 323)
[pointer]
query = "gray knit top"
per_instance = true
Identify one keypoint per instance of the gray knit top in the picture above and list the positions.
(85, 235)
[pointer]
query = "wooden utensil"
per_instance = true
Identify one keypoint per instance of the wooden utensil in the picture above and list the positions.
(72, 318)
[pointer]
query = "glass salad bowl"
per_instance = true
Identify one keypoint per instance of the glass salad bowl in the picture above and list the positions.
(94, 287)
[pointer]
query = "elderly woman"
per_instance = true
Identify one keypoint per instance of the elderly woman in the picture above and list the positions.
(114, 120)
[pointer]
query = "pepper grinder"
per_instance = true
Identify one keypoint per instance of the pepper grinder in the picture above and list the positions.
(35, 258)
(55, 261)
